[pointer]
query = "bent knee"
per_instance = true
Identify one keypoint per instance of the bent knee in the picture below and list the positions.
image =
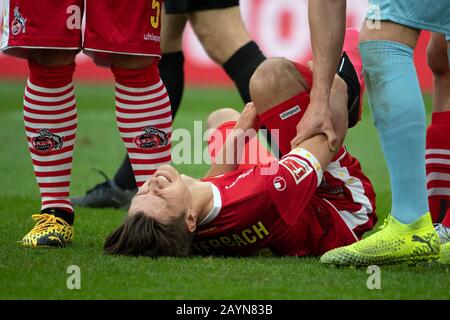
(339, 85)
(220, 116)
(274, 81)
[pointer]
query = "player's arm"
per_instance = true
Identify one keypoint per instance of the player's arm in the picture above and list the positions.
(228, 157)
(327, 25)
(299, 174)
(301, 169)
(317, 145)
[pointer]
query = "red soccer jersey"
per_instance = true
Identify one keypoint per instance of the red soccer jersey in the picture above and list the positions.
(283, 213)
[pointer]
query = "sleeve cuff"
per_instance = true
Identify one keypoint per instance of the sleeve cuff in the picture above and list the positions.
(311, 159)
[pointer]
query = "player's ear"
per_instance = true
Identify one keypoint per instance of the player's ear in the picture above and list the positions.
(191, 220)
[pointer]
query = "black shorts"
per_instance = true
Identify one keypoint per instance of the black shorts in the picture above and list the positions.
(184, 6)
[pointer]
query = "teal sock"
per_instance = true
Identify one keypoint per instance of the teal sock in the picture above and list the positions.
(399, 115)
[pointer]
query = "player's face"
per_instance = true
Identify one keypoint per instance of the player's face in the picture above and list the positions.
(164, 196)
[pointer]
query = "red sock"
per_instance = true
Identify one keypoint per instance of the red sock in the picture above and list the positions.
(144, 119)
(438, 165)
(50, 118)
(446, 221)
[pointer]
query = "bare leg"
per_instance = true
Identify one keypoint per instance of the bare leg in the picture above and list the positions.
(438, 63)
(221, 32)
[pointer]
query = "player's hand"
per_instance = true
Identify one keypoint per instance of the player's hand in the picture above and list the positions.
(316, 120)
(248, 118)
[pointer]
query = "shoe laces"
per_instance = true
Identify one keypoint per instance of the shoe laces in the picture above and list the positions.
(101, 187)
(44, 221)
(443, 232)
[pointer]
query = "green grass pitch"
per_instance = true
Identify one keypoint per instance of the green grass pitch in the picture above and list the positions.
(42, 274)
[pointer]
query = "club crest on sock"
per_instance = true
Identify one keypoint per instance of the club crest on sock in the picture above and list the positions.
(151, 138)
(47, 141)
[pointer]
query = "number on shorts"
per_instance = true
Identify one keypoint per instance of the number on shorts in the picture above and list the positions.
(154, 20)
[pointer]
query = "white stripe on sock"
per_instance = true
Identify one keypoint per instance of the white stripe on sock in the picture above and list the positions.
(139, 90)
(49, 108)
(59, 156)
(140, 98)
(145, 156)
(162, 121)
(142, 106)
(50, 116)
(437, 151)
(48, 99)
(438, 161)
(52, 179)
(48, 90)
(52, 168)
(438, 192)
(55, 189)
(50, 125)
(143, 114)
(438, 176)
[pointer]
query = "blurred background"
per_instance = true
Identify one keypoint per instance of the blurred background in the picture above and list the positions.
(279, 27)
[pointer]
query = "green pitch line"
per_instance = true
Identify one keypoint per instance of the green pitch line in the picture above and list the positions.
(42, 274)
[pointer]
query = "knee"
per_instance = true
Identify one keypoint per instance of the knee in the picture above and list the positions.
(220, 116)
(437, 56)
(131, 61)
(55, 57)
(261, 85)
(339, 86)
(274, 81)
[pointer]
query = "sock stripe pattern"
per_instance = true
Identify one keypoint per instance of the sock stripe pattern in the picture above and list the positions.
(50, 119)
(437, 160)
(144, 119)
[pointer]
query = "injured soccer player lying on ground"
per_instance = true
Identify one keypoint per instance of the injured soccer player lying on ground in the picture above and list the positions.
(310, 201)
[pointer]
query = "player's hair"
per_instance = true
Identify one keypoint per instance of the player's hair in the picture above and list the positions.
(140, 235)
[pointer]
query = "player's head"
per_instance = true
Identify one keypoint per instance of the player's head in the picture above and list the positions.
(161, 219)
(275, 81)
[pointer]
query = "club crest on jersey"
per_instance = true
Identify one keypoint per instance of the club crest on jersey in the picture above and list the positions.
(151, 138)
(279, 183)
(19, 22)
(298, 168)
(46, 141)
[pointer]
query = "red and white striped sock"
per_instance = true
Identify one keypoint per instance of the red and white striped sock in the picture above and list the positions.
(144, 119)
(50, 118)
(438, 165)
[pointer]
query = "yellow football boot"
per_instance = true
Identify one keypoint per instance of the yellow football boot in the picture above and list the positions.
(395, 242)
(49, 231)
